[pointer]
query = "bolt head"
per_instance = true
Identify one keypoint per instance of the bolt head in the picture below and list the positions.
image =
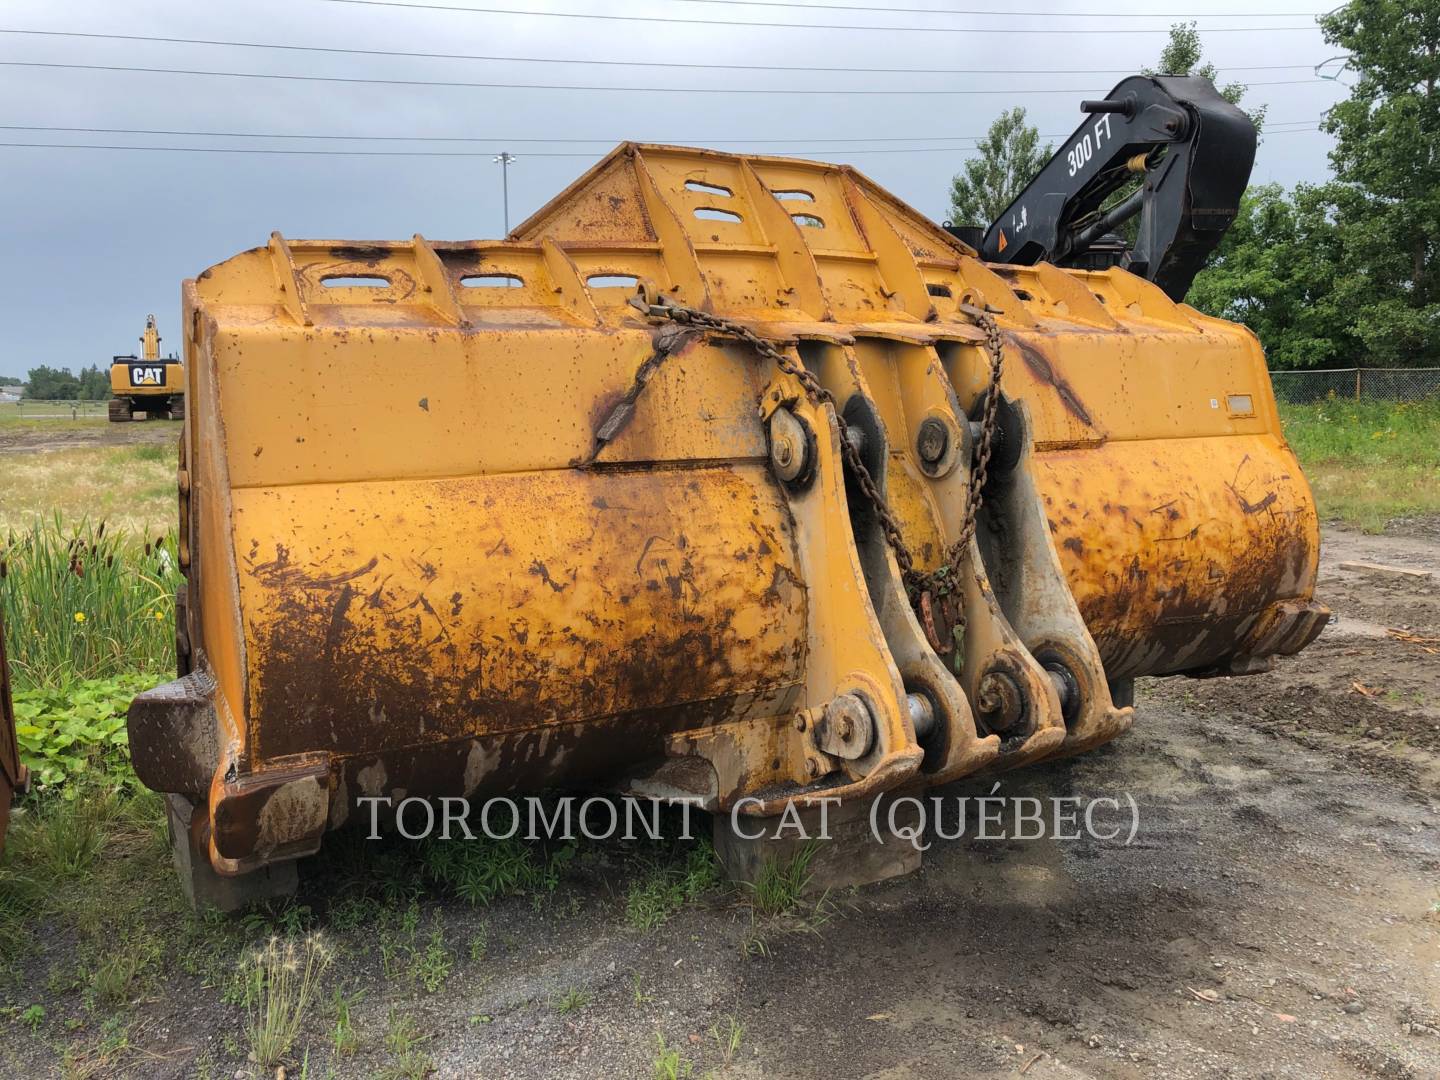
(788, 445)
(932, 441)
(1001, 702)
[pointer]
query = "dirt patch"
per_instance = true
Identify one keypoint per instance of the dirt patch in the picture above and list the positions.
(42, 436)
(1369, 687)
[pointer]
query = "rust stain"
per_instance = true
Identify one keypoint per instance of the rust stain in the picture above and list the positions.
(1040, 366)
(1254, 508)
(681, 646)
(540, 570)
(279, 574)
(613, 412)
(360, 253)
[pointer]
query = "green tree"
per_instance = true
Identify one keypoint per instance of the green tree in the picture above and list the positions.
(1277, 271)
(52, 384)
(11, 380)
(94, 383)
(1008, 158)
(1386, 192)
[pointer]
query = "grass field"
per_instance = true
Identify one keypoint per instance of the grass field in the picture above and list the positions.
(1368, 462)
(130, 487)
(16, 412)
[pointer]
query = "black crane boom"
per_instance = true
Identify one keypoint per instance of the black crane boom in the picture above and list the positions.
(1194, 151)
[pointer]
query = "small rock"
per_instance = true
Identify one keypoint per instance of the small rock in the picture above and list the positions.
(1354, 1008)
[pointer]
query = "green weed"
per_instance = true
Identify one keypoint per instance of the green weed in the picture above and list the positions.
(727, 1035)
(780, 884)
(481, 871)
(411, 1066)
(123, 965)
(402, 1033)
(480, 942)
(572, 1000)
(640, 996)
(430, 966)
(778, 903)
(664, 888)
(64, 732)
(345, 1038)
(95, 869)
(668, 1064)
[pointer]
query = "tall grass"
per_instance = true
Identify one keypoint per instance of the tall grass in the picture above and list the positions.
(1342, 429)
(83, 603)
(1368, 462)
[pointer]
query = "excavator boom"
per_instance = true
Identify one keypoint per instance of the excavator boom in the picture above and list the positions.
(1191, 150)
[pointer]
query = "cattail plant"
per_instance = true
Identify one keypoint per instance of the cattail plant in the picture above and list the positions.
(85, 605)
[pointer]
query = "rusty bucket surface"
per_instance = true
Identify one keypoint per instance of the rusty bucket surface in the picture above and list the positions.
(460, 519)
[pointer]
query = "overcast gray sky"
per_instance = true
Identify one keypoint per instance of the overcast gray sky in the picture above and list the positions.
(93, 239)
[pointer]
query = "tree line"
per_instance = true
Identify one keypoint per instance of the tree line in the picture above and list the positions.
(59, 384)
(1331, 274)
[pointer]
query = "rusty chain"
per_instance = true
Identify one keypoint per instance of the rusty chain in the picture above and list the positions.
(941, 580)
(980, 473)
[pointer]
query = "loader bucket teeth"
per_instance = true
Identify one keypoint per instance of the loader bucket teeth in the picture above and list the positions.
(641, 499)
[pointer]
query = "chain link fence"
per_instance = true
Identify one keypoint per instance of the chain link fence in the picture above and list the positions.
(1376, 384)
(39, 409)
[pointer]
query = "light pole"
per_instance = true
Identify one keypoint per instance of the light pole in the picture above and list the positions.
(504, 159)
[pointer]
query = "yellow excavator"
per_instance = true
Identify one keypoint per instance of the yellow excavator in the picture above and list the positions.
(147, 383)
(723, 478)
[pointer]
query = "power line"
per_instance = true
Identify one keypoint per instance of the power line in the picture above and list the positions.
(848, 70)
(268, 150)
(847, 151)
(507, 139)
(991, 11)
(1009, 92)
(793, 25)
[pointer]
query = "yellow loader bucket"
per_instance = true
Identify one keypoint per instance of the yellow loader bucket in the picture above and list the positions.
(671, 491)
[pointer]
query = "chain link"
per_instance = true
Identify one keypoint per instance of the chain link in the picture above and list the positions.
(917, 583)
(980, 473)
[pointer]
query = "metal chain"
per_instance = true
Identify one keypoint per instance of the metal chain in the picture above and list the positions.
(995, 346)
(916, 582)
